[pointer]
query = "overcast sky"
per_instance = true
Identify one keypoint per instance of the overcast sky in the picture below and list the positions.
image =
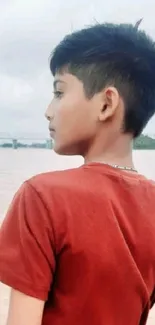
(29, 29)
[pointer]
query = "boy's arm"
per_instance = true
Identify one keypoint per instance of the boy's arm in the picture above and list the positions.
(27, 259)
(24, 310)
(152, 299)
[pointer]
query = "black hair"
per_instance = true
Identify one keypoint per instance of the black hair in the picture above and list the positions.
(116, 55)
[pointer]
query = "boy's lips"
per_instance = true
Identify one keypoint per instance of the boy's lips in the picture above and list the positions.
(52, 132)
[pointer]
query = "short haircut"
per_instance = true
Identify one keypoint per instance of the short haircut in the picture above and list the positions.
(112, 55)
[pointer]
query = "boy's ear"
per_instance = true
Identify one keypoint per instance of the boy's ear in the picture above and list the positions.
(109, 103)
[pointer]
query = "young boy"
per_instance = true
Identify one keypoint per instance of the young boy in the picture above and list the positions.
(78, 246)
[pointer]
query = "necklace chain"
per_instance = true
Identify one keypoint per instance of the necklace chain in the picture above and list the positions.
(123, 167)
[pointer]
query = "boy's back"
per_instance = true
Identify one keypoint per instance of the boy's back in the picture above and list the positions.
(99, 224)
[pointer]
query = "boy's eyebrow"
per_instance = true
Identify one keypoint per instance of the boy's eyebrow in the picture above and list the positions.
(56, 82)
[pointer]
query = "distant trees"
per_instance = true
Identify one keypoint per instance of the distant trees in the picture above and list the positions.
(144, 142)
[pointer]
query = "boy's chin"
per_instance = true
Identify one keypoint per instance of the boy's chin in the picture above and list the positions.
(63, 150)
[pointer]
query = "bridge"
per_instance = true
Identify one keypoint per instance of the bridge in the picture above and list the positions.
(25, 138)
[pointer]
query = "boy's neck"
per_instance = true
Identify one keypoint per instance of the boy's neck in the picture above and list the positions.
(117, 153)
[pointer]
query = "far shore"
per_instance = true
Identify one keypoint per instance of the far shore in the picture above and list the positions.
(144, 142)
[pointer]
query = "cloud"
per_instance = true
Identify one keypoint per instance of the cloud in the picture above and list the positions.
(29, 30)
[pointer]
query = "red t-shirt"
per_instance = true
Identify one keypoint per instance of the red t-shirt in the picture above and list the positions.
(84, 241)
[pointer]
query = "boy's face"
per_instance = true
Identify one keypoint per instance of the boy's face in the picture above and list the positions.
(78, 124)
(73, 119)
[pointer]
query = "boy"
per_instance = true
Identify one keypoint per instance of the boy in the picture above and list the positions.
(78, 246)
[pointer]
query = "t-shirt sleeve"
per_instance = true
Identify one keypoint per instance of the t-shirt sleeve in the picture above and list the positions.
(27, 261)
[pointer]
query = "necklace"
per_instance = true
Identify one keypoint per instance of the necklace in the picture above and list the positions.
(123, 167)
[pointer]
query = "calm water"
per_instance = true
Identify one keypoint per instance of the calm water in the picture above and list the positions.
(18, 165)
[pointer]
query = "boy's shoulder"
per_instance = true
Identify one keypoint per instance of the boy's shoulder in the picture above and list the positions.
(56, 179)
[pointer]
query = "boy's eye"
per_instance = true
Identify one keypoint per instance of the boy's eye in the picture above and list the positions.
(58, 94)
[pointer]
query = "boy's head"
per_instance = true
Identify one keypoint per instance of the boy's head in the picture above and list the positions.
(104, 87)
